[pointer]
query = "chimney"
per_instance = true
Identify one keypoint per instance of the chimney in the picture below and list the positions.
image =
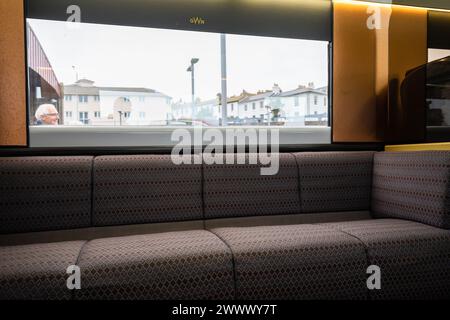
(276, 89)
(311, 85)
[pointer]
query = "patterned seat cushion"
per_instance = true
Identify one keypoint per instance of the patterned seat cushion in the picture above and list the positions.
(335, 181)
(413, 186)
(44, 193)
(414, 258)
(145, 189)
(235, 190)
(37, 271)
(296, 262)
(176, 265)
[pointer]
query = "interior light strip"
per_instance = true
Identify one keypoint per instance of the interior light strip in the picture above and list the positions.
(388, 5)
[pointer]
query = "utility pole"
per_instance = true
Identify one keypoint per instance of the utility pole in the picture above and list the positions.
(223, 60)
(192, 71)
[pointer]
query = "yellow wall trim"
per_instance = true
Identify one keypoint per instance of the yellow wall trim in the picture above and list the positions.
(419, 147)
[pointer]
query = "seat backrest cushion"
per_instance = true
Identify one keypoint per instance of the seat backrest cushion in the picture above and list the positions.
(413, 186)
(135, 189)
(45, 193)
(239, 190)
(335, 181)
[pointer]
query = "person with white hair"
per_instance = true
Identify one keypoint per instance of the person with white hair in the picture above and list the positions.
(46, 114)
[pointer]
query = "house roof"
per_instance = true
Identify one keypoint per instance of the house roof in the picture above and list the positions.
(128, 89)
(257, 97)
(86, 87)
(301, 91)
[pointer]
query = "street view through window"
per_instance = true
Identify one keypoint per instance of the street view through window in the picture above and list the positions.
(105, 75)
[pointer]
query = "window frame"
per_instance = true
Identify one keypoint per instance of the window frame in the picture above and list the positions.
(32, 130)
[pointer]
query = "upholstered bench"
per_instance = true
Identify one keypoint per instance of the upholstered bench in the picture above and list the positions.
(141, 227)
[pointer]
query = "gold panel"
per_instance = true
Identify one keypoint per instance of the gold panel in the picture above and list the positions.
(13, 131)
(419, 147)
(354, 64)
(370, 63)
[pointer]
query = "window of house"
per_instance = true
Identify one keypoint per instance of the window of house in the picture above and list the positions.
(254, 106)
(68, 97)
(245, 107)
(315, 100)
(296, 101)
(83, 117)
(96, 98)
(83, 99)
(97, 114)
(261, 104)
(38, 92)
(69, 114)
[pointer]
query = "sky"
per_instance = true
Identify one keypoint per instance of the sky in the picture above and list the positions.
(158, 58)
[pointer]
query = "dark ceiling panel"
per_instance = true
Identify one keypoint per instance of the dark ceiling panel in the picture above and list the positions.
(306, 19)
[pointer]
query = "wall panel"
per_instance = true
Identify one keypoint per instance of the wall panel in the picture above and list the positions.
(13, 126)
(407, 51)
(370, 64)
(354, 77)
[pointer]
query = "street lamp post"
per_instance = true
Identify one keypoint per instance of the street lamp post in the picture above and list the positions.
(120, 117)
(269, 113)
(77, 97)
(223, 60)
(191, 70)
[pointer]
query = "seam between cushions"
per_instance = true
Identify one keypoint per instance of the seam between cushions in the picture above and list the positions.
(92, 192)
(202, 190)
(372, 185)
(366, 250)
(233, 262)
(299, 184)
(76, 263)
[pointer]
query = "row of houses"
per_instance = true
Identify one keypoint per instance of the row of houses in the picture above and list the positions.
(85, 103)
(304, 105)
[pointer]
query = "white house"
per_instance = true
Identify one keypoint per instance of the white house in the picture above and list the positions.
(85, 103)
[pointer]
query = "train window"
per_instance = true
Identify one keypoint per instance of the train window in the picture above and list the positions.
(438, 93)
(136, 78)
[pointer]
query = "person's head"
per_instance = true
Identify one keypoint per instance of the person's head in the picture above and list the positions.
(47, 114)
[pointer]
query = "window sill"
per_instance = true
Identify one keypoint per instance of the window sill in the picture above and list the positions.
(135, 136)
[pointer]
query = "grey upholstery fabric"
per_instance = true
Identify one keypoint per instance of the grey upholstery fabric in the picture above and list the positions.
(234, 190)
(174, 265)
(335, 181)
(144, 189)
(44, 193)
(414, 258)
(296, 262)
(37, 271)
(413, 186)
